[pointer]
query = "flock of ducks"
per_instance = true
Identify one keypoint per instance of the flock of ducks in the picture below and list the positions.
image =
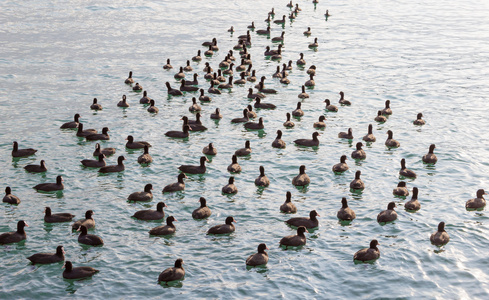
(218, 82)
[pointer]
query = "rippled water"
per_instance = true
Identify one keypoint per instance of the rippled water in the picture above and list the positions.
(425, 56)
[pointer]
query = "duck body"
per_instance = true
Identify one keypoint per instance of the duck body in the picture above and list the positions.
(56, 218)
(50, 187)
(230, 188)
(167, 229)
(226, 228)
(244, 151)
(314, 142)
(171, 274)
(262, 180)
(145, 195)
(413, 204)
(405, 172)
(77, 272)
(278, 142)
(342, 166)
(89, 239)
(88, 222)
(477, 203)
(345, 213)
(369, 137)
(401, 190)
(9, 197)
(145, 158)
(302, 179)
(176, 186)
(294, 240)
(190, 169)
(16, 152)
(72, 124)
(114, 168)
(151, 215)
(104, 136)
(131, 144)
(440, 237)
(388, 215)
(357, 183)
(234, 167)
(259, 258)
(48, 258)
(288, 207)
(106, 151)
(368, 254)
(179, 134)
(83, 133)
(14, 236)
(430, 157)
(36, 168)
(390, 142)
(308, 222)
(91, 163)
(203, 211)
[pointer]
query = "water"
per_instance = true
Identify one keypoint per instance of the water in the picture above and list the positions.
(425, 57)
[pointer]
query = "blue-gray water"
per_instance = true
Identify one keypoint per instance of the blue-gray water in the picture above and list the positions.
(425, 56)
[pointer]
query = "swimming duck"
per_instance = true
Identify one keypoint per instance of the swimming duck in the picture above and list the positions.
(255, 126)
(342, 166)
(419, 120)
(359, 153)
(262, 180)
(123, 102)
(216, 115)
(91, 163)
(430, 157)
(301, 61)
(390, 142)
(78, 272)
(48, 258)
(294, 240)
(288, 206)
(197, 57)
(302, 179)
(88, 222)
(168, 66)
(314, 44)
(226, 228)
(203, 97)
(278, 142)
(172, 91)
(345, 213)
(308, 222)
(298, 111)
(83, 133)
(167, 229)
(14, 236)
(49, 217)
(114, 168)
(190, 169)
(137, 87)
(259, 258)
(95, 105)
(311, 70)
(281, 21)
(303, 94)
(357, 183)
(387, 110)
(230, 188)
(380, 118)
(346, 135)
(176, 186)
(171, 274)
(368, 254)
(263, 31)
(145, 99)
(194, 107)
(187, 88)
(129, 79)
(370, 136)
(89, 239)
(251, 113)
(401, 190)
(213, 90)
(259, 104)
(72, 124)
(203, 211)
(152, 108)
(228, 85)
(405, 172)
(244, 119)
(242, 80)
(131, 144)
(36, 168)
(209, 150)
(234, 167)
(193, 82)
(477, 203)
(244, 151)
(320, 123)
(151, 215)
(307, 32)
(9, 197)
(145, 158)
(314, 142)
(440, 237)
(179, 75)
(49, 187)
(388, 215)
(279, 38)
(413, 204)
(179, 134)
(188, 67)
(342, 100)
(106, 151)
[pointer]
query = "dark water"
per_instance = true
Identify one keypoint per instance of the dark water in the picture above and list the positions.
(427, 57)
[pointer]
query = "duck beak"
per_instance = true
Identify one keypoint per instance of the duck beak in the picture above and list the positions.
(64, 265)
(175, 220)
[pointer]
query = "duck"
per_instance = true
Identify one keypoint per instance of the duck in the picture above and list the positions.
(388, 215)
(380, 118)
(151, 215)
(314, 44)
(301, 61)
(91, 163)
(209, 52)
(255, 126)
(281, 21)
(197, 57)
(252, 95)
(193, 82)
(278, 142)
(242, 80)
(298, 111)
(95, 105)
(302, 179)
(114, 168)
(104, 136)
(213, 90)
(78, 272)
(251, 113)
(419, 121)
(194, 107)
(252, 26)
(172, 91)
(228, 85)
(477, 203)
(208, 75)
(229, 71)
(345, 213)
(203, 97)
(264, 90)
(320, 123)
(72, 124)
(188, 67)
(234, 167)
(88, 222)
(131, 144)
(49, 187)
(230, 188)
(284, 79)
(179, 75)
(430, 157)
(280, 38)
(369, 137)
(152, 108)
(145, 99)
(327, 14)
(172, 274)
(294, 240)
(48, 258)
(311, 70)
(262, 80)
(216, 115)
(413, 204)
(401, 190)
(176, 186)
(308, 222)
(346, 135)
(167, 229)
(129, 79)
(330, 107)
(83, 133)
(387, 110)
(278, 55)
(260, 258)
(342, 100)
(187, 88)
(288, 207)
(263, 31)
(106, 151)
(268, 19)
(259, 104)
(179, 134)
(16, 152)
(190, 169)
(278, 73)
(357, 183)
(145, 158)
(310, 82)
(209, 150)
(56, 218)
(203, 211)
(168, 65)
(89, 239)
(303, 94)
(208, 68)
(288, 123)
(252, 77)
(390, 142)
(314, 142)
(226, 228)
(307, 32)
(368, 254)
(36, 168)
(359, 153)
(404, 172)
(242, 67)
(209, 43)
(342, 166)
(244, 151)
(440, 237)
(9, 197)
(123, 102)
(14, 236)
(262, 180)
